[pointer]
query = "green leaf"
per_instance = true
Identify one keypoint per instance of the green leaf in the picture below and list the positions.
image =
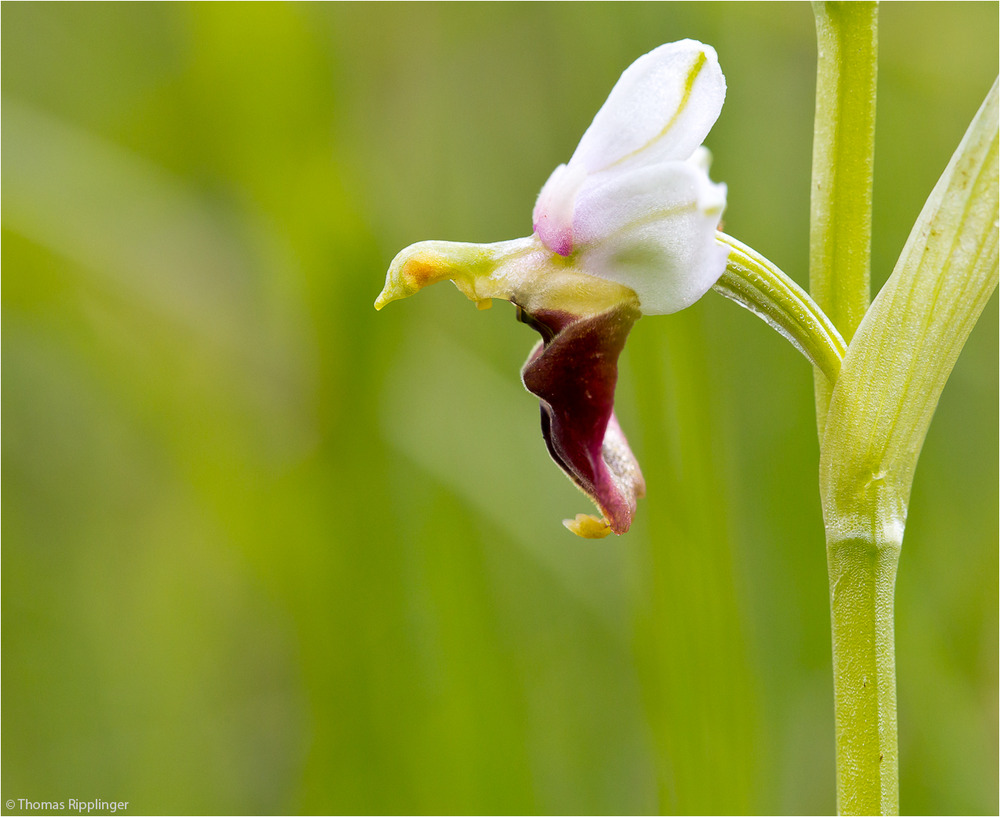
(905, 348)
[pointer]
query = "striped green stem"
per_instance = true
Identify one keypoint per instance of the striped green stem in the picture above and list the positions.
(758, 285)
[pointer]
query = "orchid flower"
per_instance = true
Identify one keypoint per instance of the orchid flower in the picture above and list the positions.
(626, 228)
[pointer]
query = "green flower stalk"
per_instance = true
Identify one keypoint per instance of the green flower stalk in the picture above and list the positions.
(873, 418)
(882, 405)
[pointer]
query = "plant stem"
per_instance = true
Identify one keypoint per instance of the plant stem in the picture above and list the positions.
(843, 159)
(862, 579)
(886, 393)
(862, 567)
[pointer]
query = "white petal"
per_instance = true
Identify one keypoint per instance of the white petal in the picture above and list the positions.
(653, 230)
(701, 159)
(553, 214)
(660, 109)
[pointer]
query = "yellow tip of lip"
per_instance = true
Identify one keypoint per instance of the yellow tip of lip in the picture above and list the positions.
(587, 526)
(383, 298)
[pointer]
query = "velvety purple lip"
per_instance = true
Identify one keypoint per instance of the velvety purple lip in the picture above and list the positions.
(574, 372)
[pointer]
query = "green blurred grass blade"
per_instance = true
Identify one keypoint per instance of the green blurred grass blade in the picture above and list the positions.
(690, 640)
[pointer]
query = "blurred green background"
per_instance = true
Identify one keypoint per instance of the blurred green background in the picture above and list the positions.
(266, 550)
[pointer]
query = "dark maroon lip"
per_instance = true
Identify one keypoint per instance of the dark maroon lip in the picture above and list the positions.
(574, 372)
